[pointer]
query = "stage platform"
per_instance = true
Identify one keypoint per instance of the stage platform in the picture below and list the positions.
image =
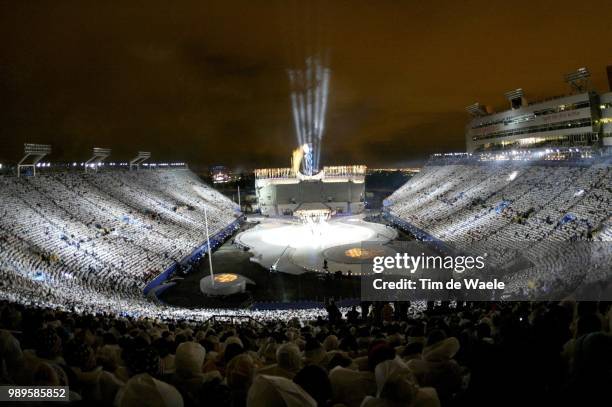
(287, 245)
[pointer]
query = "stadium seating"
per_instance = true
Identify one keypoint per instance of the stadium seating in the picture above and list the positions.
(95, 240)
(507, 210)
(76, 251)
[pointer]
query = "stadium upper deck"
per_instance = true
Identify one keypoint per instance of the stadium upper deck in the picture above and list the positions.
(583, 118)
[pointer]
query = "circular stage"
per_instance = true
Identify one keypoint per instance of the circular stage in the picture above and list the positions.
(289, 246)
(224, 284)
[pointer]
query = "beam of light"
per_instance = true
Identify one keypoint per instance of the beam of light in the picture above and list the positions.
(317, 103)
(309, 115)
(324, 95)
(302, 110)
(317, 117)
(296, 118)
(309, 93)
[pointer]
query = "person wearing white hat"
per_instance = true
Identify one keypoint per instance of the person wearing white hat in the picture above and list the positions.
(188, 362)
(239, 374)
(144, 390)
(288, 362)
(272, 391)
(396, 386)
(437, 368)
(350, 386)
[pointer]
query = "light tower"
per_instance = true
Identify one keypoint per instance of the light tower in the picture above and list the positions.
(139, 159)
(33, 154)
(476, 110)
(99, 155)
(579, 81)
(516, 98)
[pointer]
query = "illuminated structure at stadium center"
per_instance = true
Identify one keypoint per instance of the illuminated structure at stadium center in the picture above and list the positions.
(333, 190)
(306, 190)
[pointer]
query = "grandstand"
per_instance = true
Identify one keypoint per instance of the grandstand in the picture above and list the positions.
(98, 240)
(84, 255)
(512, 209)
(362, 272)
(81, 254)
(113, 236)
(460, 202)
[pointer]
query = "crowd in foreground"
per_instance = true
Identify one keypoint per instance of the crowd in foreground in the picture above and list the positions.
(469, 355)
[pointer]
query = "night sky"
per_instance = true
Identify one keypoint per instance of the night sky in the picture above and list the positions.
(206, 82)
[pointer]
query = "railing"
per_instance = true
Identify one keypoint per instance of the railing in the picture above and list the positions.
(215, 241)
(233, 319)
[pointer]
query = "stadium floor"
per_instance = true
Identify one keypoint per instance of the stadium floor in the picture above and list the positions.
(269, 287)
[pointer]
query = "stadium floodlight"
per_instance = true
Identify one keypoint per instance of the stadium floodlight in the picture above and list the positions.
(98, 156)
(476, 110)
(139, 159)
(579, 81)
(515, 97)
(33, 153)
(513, 94)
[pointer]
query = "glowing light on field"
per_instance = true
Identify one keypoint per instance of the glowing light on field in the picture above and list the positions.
(512, 175)
(359, 253)
(293, 247)
(325, 235)
(225, 278)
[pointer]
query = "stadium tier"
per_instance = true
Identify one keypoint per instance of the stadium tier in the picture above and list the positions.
(509, 210)
(94, 241)
(466, 203)
(580, 119)
(73, 245)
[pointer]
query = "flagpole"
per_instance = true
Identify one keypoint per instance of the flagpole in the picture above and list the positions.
(212, 275)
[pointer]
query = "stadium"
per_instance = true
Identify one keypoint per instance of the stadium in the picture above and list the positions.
(129, 276)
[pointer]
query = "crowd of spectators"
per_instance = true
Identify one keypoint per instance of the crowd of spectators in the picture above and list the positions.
(93, 241)
(475, 203)
(76, 251)
(467, 354)
(556, 218)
